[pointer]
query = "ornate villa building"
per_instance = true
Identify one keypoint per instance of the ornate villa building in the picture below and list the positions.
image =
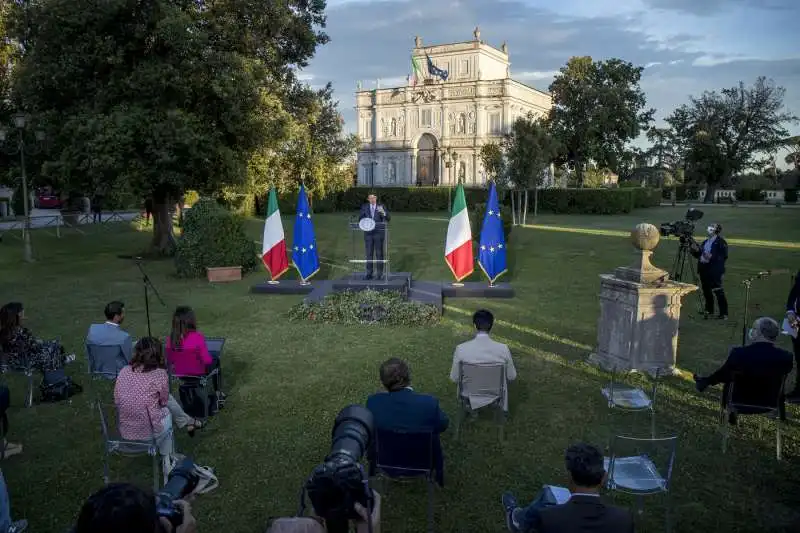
(430, 132)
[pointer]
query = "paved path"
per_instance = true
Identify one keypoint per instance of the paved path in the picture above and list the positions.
(50, 218)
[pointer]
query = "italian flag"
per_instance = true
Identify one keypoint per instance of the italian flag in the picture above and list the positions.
(416, 71)
(273, 253)
(458, 249)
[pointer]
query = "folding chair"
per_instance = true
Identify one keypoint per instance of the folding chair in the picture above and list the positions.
(642, 467)
(482, 385)
(624, 397)
(115, 444)
(407, 455)
(755, 394)
(25, 367)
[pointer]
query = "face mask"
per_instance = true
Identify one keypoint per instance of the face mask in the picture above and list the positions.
(751, 334)
(711, 230)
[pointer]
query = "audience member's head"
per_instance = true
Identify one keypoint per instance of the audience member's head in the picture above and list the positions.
(121, 508)
(297, 524)
(183, 322)
(764, 329)
(395, 374)
(115, 312)
(483, 320)
(585, 467)
(11, 316)
(148, 354)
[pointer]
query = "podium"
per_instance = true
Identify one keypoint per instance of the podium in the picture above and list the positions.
(357, 258)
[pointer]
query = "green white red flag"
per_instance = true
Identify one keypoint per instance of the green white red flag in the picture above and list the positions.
(273, 251)
(458, 248)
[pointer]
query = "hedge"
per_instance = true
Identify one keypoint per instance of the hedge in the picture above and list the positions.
(682, 192)
(749, 195)
(431, 199)
(790, 196)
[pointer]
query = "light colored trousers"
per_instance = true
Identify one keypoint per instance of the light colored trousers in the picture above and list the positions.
(172, 412)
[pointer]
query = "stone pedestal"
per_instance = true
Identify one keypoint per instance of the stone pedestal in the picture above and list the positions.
(640, 311)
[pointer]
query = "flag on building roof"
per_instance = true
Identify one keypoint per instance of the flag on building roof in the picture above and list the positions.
(436, 71)
(273, 249)
(416, 72)
(458, 248)
(492, 247)
(304, 249)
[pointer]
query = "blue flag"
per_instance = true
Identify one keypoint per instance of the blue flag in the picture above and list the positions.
(436, 71)
(492, 249)
(304, 249)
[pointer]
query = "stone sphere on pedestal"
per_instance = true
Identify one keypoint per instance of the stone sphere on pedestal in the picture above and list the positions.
(645, 237)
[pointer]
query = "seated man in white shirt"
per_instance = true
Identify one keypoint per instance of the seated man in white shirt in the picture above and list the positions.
(483, 350)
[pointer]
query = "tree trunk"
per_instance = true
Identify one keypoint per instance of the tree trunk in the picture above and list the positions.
(525, 208)
(513, 209)
(710, 190)
(579, 173)
(535, 202)
(163, 237)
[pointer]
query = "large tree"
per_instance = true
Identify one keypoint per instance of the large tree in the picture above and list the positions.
(598, 107)
(723, 133)
(158, 97)
(529, 150)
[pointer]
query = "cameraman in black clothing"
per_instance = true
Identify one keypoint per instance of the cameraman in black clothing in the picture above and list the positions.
(712, 255)
(793, 316)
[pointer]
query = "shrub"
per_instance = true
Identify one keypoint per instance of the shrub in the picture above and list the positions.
(790, 196)
(477, 213)
(587, 201)
(213, 237)
(646, 197)
(367, 307)
(191, 198)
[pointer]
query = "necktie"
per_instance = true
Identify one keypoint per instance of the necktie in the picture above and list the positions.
(372, 209)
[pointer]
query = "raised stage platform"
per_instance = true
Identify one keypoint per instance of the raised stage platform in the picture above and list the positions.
(428, 292)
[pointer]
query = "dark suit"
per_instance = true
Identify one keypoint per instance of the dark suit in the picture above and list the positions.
(408, 411)
(711, 274)
(374, 241)
(583, 514)
(793, 304)
(757, 363)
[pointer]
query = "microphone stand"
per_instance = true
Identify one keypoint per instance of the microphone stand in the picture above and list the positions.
(148, 285)
(748, 282)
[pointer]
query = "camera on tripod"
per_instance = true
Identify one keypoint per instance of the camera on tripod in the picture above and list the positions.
(340, 482)
(182, 481)
(683, 229)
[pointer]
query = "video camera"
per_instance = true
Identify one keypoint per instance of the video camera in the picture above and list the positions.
(683, 229)
(181, 482)
(340, 482)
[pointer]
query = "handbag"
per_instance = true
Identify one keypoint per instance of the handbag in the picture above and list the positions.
(57, 386)
(192, 396)
(207, 479)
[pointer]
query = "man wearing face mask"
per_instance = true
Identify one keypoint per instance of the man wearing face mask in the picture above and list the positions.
(758, 359)
(711, 256)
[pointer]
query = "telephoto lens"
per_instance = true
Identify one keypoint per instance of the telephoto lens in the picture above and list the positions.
(181, 482)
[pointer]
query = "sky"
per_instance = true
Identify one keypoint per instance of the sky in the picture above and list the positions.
(686, 46)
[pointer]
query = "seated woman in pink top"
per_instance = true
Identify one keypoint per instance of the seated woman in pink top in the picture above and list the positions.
(144, 405)
(186, 348)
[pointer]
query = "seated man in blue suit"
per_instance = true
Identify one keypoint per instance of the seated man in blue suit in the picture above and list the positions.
(110, 333)
(404, 410)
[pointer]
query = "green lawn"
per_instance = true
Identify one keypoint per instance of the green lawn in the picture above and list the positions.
(286, 382)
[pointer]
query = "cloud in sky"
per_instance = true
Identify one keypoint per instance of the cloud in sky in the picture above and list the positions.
(687, 46)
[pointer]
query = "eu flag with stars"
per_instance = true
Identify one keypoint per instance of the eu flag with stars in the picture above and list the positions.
(304, 249)
(492, 254)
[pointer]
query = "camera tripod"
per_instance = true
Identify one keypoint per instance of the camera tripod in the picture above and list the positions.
(679, 266)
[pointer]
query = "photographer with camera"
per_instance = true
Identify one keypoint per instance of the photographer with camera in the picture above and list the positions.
(712, 255)
(305, 524)
(125, 508)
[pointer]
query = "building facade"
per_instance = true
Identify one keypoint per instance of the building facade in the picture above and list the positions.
(430, 131)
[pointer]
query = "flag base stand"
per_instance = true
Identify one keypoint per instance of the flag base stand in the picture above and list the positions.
(304, 283)
(457, 284)
(492, 285)
(274, 282)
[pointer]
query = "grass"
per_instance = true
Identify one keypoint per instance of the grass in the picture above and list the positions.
(286, 382)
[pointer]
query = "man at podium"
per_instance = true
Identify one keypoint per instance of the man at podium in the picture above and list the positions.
(374, 240)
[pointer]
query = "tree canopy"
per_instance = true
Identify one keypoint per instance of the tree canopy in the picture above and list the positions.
(725, 132)
(598, 107)
(155, 98)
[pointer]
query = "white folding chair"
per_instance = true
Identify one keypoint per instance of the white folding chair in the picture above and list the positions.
(623, 397)
(482, 385)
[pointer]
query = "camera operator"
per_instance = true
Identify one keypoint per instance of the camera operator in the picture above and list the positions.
(125, 508)
(305, 524)
(712, 255)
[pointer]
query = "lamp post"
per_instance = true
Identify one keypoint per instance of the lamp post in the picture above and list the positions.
(13, 147)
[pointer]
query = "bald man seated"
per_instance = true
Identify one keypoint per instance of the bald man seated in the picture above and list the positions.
(759, 359)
